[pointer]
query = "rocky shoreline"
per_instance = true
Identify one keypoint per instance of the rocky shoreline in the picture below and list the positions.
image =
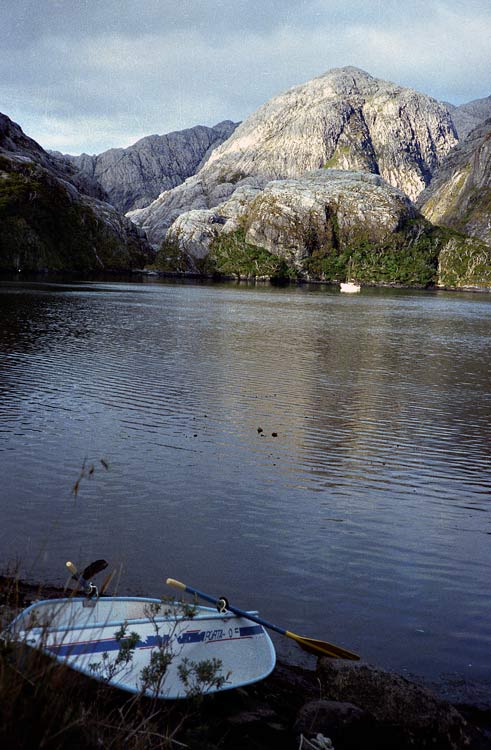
(339, 704)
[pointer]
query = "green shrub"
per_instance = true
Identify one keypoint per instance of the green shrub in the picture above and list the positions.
(408, 257)
(465, 262)
(232, 255)
(170, 258)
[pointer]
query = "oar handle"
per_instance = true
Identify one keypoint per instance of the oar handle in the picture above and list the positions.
(73, 570)
(176, 584)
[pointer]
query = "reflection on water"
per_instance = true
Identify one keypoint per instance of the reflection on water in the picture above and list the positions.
(365, 520)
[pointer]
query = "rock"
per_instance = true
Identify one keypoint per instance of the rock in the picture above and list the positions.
(289, 218)
(311, 223)
(415, 715)
(344, 119)
(133, 177)
(193, 194)
(459, 195)
(257, 715)
(346, 725)
(47, 223)
(293, 218)
(195, 230)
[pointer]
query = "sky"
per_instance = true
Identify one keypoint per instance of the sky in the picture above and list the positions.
(88, 75)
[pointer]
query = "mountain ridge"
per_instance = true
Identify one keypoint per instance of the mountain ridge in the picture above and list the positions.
(326, 152)
(133, 177)
(466, 117)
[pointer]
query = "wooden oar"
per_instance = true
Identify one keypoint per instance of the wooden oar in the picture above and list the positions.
(312, 645)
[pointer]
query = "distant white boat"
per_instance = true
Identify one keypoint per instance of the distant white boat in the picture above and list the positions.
(351, 287)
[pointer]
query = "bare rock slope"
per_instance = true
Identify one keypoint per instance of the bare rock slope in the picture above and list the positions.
(133, 177)
(344, 119)
(292, 218)
(459, 195)
(325, 225)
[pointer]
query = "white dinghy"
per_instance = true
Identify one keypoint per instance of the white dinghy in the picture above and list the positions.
(143, 645)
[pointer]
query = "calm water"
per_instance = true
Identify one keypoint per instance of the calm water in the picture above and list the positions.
(366, 521)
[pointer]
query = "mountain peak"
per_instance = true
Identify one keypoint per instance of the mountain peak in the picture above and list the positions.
(350, 70)
(344, 119)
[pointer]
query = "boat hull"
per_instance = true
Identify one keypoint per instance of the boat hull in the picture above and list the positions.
(87, 636)
(349, 287)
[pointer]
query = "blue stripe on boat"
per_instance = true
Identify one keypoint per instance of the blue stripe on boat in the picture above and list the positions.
(252, 630)
(103, 646)
(151, 641)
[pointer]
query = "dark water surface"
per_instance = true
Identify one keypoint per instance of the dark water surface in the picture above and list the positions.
(366, 521)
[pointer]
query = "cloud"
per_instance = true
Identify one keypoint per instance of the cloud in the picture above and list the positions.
(433, 57)
(79, 134)
(156, 66)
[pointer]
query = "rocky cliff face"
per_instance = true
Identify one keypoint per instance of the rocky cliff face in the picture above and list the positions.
(133, 177)
(467, 117)
(325, 225)
(345, 119)
(46, 222)
(459, 195)
(13, 141)
(292, 218)
(317, 225)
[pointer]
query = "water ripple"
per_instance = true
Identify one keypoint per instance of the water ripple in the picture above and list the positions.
(335, 452)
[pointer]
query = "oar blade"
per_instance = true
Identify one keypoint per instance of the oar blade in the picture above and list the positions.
(91, 570)
(322, 648)
(318, 647)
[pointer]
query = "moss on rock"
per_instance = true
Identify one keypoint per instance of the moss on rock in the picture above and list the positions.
(231, 255)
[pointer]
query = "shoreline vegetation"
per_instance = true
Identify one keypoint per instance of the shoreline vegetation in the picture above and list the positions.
(194, 276)
(417, 255)
(345, 705)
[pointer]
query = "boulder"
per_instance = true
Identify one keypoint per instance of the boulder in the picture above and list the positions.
(410, 714)
(346, 725)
